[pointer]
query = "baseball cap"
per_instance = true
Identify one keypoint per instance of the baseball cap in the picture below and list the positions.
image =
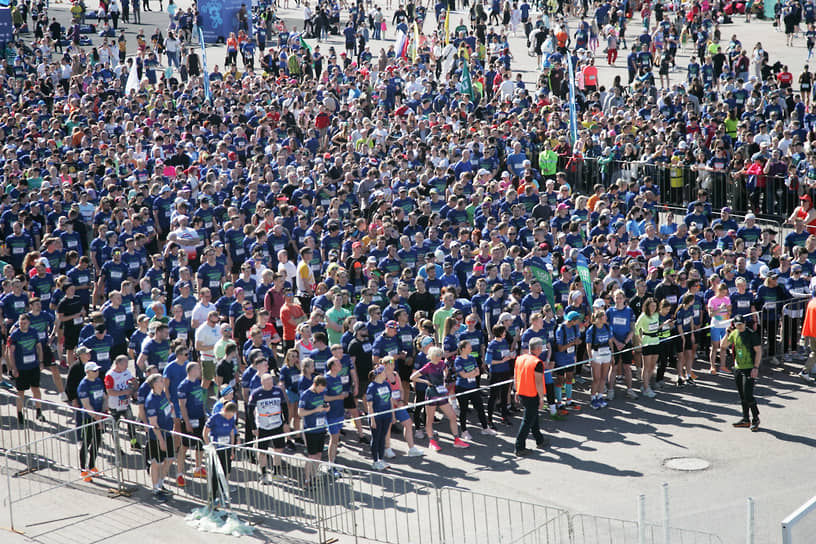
(426, 341)
(226, 390)
(504, 317)
(358, 327)
(391, 324)
(572, 316)
(90, 366)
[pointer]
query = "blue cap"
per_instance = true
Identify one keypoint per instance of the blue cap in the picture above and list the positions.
(572, 316)
(226, 390)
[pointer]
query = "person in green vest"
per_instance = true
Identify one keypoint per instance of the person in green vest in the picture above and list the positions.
(547, 160)
(747, 355)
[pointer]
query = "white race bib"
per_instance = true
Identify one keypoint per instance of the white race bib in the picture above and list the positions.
(320, 421)
(103, 355)
(223, 439)
(571, 349)
(344, 380)
(239, 251)
(28, 359)
(396, 394)
(168, 410)
(195, 424)
(18, 250)
(215, 284)
(621, 321)
(77, 321)
(442, 389)
(97, 394)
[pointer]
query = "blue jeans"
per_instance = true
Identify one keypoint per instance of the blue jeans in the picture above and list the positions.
(529, 423)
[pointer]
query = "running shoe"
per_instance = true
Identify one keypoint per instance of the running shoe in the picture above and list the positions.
(459, 443)
(159, 496)
(20, 419)
(595, 404)
(180, 481)
(543, 443)
(419, 434)
(378, 465)
(743, 423)
(602, 402)
(434, 445)
(336, 474)
(5, 384)
(85, 475)
(649, 393)
(630, 393)
(266, 479)
(692, 376)
(389, 453)
(690, 381)
(40, 416)
(489, 432)
(95, 471)
(610, 395)
(523, 452)
(712, 371)
(557, 416)
(415, 452)
(200, 473)
(562, 410)
(755, 425)
(680, 383)
(64, 396)
(725, 370)
(574, 406)
(466, 436)
(135, 445)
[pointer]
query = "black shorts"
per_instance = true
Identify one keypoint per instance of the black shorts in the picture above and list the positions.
(155, 453)
(625, 357)
(27, 379)
(71, 336)
(48, 356)
(314, 442)
(404, 370)
(196, 445)
(236, 266)
(350, 402)
(686, 342)
(272, 435)
(651, 349)
(563, 370)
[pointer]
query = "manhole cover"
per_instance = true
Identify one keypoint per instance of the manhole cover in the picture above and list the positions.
(686, 463)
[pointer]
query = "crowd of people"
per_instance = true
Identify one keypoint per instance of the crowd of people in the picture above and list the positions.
(342, 234)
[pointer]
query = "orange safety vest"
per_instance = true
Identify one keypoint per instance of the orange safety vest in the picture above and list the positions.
(809, 326)
(525, 375)
(590, 76)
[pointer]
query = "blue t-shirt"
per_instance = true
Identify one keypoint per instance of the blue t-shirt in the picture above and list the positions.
(379, 395)
(334, 387)
(270, 408)
(194, 395)
(176, 373)
(621, 322)
(565, 335)
(496, 350)
(94, 391)
(221, 430)
(25, 349)
(100, 351)
(309, 400)
(465, 364)
(157, 405)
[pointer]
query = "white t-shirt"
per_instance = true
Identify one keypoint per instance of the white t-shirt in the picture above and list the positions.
(120, 383)
(200, 312)
(207, 336)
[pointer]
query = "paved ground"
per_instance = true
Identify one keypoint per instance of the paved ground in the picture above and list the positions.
(600, 461)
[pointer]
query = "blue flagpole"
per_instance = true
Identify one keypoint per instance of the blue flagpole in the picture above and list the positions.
(207, 93)
(573, 119)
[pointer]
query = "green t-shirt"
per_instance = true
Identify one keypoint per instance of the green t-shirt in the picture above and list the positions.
(338, 315)
(744, 344)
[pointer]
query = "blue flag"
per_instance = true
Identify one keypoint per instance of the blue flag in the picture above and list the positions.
(573, 120)
(207, 93)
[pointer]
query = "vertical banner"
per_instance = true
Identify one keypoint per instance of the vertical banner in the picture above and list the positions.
(543, 276)
(416, 41)
(467, 82)
(207, 92)
(573, 120)
(447, 27)
(132, 83)
(583, 273)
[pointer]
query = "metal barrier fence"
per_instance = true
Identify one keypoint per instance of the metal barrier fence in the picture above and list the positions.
(800, 526)
(678, 184)
(496, 519)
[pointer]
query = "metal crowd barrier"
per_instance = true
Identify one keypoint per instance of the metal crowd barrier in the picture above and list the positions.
(589, 529)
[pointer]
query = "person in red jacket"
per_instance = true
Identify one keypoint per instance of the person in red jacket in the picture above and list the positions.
(809, 334)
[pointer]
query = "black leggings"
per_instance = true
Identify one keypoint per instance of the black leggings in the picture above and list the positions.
(466, 397)
(419, 411)
(770, 326)
(790, 333)
(745, 388)
(91, 438)
(499, 394)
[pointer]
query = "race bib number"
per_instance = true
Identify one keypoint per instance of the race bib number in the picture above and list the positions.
(28, 359)
(396, 394)
(619, 321)
(116, 275)
(168, 410)
(215, 283)
(223, 439)
(441, 389)
(406, 338)
(471, 381)
(103, 355)
(182, 335)
(604, 351)
(320, 421)
(195, 424)
(77, 321)
(188, 314)
(18, 250)
(98, 394)
(571, 349)
(344, 380)
(239, 251)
